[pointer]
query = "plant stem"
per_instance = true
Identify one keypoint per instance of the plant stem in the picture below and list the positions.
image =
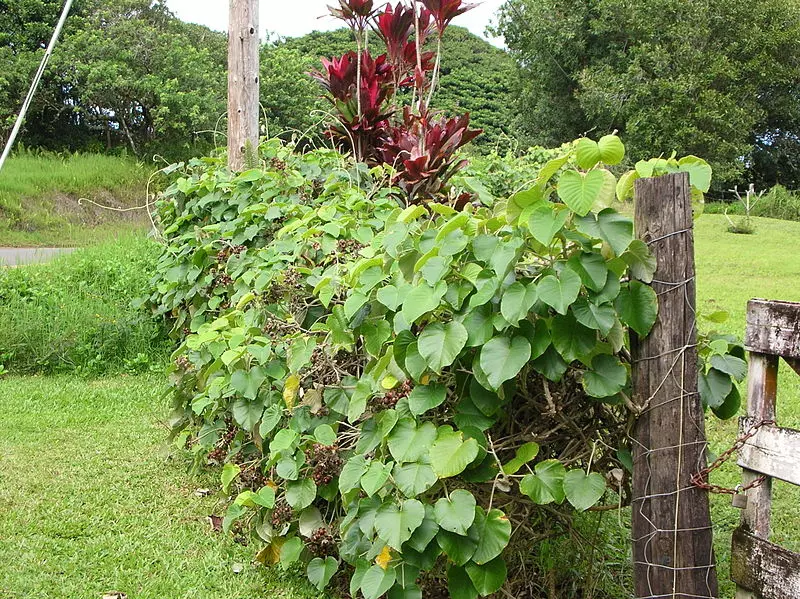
(435, 76)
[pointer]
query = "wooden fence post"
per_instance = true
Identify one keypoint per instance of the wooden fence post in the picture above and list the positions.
(243, 81)
(672, 538)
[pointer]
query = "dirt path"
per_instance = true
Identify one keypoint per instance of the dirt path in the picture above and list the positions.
(19, 256)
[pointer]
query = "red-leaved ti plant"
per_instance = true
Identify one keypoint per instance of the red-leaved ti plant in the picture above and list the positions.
(395, 27)
(444, 11)
(423, 151)
(364, 132)
(422, 146)
(355, 13)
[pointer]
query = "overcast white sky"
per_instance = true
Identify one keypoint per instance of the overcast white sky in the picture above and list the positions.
(291, 18)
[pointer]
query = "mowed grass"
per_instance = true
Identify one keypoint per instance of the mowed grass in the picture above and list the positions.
(732, 269)
(40, 193)
(90, 502)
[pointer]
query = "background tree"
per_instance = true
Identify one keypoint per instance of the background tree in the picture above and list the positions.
(716, 78)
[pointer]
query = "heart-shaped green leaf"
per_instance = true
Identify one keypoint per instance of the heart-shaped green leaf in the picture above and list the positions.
(502, 358)
(414, 478)
(714, 387)
(587, 153)
(493, 531)
(459, 583)
(547, 484)
(600, 318)
(320, 571)
(377, 581)
(375, 477)
(247, 412)
(421, 300)
(489, 577)
(571, 339)
(610, 226)
(637, 306)
(395, 523)
(300, 493)
(426, 397)
(612, 150)
(580, 191)
(546, 221)
(450, 453)
(525, 453)
(640, 261)
(607, 377)
(440, 343)
(582, 490)
(560, 292)
(409, 442)
(455, 513)
(352, 471)
(517, 301)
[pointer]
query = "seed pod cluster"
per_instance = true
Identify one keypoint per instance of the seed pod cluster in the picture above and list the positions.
(392, 396)
(281, 514)
(322, 543)
(253, 477)
(349, 246)
(326, 462)
(219, 452)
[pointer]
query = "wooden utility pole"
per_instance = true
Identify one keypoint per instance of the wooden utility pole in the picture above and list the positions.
(242, 81)
(672, 538)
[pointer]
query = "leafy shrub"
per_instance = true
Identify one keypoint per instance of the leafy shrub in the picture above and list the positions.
(502, 175)
(392, 389)
(76, 313)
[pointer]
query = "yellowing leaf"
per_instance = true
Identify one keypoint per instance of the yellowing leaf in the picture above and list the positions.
(384, 557)
(271, 554)
(389, 382)
(425, 379)
(246, 299)
(290, 389)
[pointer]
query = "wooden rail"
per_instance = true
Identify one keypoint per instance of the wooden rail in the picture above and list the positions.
(763, 570)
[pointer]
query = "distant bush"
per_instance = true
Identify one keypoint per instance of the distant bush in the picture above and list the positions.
(779, 202)
(76, 314)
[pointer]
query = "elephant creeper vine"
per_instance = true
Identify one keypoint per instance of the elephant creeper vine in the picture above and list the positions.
(391, 390)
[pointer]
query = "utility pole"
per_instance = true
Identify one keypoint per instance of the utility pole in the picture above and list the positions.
(243, 79)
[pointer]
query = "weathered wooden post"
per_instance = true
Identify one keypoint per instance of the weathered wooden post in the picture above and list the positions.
(672, 538)
(242, 81)
(760, 569)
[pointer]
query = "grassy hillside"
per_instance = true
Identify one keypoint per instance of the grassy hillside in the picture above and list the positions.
(41, 198)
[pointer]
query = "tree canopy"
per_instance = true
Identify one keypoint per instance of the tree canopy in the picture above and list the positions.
(129, 74)
(717, 78)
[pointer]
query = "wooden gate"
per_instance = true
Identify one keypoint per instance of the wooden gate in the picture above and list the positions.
(763, 570)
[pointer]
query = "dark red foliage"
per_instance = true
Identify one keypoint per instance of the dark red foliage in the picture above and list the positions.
(423, 150)
(444, 11)
(422, 147)
(394, 26)
(354, 12)
(362, 133)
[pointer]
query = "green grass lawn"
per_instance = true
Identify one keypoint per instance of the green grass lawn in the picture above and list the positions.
(90, 502)
(731, 269)
(40, 197)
